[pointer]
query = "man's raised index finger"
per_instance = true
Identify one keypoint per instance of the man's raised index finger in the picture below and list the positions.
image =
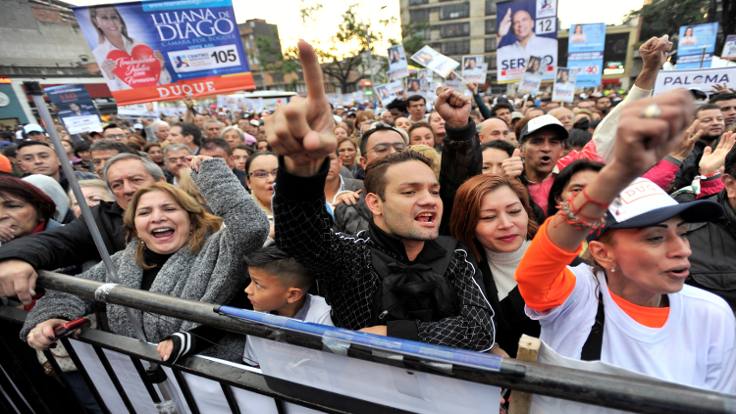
(312, 71)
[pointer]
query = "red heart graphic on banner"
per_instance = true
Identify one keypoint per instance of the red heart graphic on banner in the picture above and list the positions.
(140, 68)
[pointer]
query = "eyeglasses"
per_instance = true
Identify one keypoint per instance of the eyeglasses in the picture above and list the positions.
(380, 126)
(116, 137)
(261, 174)
(383, 148)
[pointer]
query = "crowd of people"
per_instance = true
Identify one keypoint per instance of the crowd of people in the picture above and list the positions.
(606, 227)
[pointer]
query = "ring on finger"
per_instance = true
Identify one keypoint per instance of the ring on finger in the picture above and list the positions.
(652, 111)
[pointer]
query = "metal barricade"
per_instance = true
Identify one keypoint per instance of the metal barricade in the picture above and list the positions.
(314, 370)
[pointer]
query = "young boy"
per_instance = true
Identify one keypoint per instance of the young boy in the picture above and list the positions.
(278, 284)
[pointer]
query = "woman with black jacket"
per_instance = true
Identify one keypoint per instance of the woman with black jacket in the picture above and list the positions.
(492, 216)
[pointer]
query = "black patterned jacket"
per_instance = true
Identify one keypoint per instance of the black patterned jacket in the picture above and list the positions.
(342, 265)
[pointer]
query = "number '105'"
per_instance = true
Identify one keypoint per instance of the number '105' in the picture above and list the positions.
(221, 56)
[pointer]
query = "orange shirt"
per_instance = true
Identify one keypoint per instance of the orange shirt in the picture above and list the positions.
(545, 282)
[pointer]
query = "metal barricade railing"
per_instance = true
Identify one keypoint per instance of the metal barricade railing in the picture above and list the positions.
(412, 369)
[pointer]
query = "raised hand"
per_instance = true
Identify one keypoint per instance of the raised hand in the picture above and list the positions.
(653, 52)
(649, 129)
(195, 161)
(505, 25)
(302, 130)
(472, 87)
(513, 166)
(714, 159)
(691, 136)
(453, 107)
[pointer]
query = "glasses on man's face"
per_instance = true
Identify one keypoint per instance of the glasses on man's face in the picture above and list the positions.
(263, 174)
(116, 137)
(383, 148)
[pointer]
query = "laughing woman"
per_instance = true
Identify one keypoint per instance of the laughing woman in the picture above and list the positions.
(177, 248)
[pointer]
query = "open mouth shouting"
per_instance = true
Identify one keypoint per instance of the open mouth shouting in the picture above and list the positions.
(427, 219)
(163, 234)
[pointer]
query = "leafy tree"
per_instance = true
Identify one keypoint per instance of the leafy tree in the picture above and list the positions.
(414, 37)
(666, 16)
(352, 34)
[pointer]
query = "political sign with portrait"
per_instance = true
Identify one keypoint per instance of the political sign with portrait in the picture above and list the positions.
(165, 50)
(524, 28)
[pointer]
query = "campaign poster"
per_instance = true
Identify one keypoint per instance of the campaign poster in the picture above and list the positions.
(696, 45)
(436, 61)
(699, 79)
(75, 108)
(563, 89)
(532, 77)
(729, 48)
(388, 92)
(524, 28)
(474, 69)
(585, 53)
(397, 66)
(416, 86)
(166, 50)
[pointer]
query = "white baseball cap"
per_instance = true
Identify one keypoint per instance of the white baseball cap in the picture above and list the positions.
(644, 204)
(27, 129)
(543, 122)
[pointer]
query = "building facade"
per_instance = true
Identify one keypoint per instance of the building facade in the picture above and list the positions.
(468, 27)
(263, 46)
(455, 28)
(41, 41)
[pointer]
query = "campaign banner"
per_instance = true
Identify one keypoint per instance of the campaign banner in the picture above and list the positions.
(585, 53)
(563, 89)
(528, 27)
(696, 45)
(397, 65)
(435, 61)
(159, 50)
(729, 48)
(75, 108)
(388, 92)
(699, 79)
(146, 110)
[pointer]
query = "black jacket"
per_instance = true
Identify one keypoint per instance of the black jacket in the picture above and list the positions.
(346, 276)
(509, 317)
(713, 261)
(72, 244)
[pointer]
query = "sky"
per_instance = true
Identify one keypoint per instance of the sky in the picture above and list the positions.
(285, 14)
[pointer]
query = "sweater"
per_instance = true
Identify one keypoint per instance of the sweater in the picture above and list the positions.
(213, 275)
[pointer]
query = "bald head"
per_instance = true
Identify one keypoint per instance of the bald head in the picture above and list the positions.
(565, 116)
(493, 129)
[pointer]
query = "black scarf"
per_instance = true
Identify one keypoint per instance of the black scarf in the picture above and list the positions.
(412, 290)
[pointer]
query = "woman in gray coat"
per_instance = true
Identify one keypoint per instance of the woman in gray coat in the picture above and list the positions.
(176, 248)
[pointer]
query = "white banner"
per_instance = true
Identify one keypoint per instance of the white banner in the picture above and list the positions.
(436, 61)
(700, 79)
